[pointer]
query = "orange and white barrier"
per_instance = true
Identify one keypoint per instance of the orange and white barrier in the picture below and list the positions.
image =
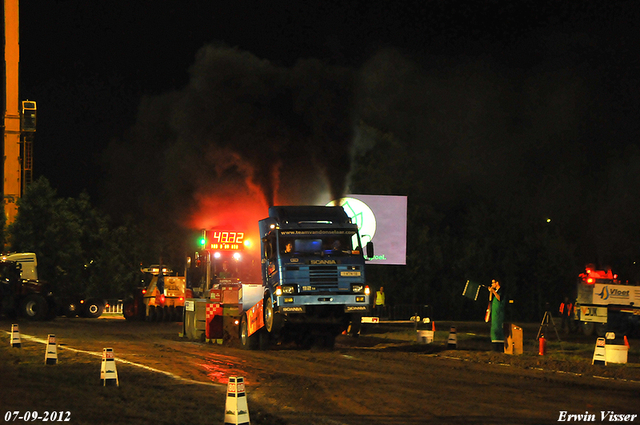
(108, 371)
(15, 336)
(452, 342)
(599, 354)
(51, 351)
(236, 411)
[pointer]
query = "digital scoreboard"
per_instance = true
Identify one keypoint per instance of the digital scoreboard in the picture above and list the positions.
(222, 240)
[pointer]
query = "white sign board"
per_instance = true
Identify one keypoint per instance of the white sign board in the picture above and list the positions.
(382, 220)
(605, 294)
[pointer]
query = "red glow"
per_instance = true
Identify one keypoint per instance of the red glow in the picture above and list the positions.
(219, 367)
(233, 207)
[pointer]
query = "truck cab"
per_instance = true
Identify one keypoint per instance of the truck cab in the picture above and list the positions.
(313, 272)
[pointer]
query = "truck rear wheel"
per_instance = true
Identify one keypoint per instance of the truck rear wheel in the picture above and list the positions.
(93, 308)
(249, 342)
(34, 307)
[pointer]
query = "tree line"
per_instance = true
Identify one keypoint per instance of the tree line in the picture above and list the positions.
(535, 231)
(79, 249)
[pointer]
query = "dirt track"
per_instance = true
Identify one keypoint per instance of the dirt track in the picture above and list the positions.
(374, 379)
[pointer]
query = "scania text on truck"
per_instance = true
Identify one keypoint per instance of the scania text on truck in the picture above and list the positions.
(604, 303)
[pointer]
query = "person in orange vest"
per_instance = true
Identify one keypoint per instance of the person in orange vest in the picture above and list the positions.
(566, 310)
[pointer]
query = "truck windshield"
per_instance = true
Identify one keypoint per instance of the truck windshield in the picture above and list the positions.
(327, 245)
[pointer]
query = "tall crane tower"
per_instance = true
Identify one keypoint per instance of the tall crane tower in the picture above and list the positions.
(19, 117)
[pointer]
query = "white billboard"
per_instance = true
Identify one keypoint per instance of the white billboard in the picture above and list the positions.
(382, 220)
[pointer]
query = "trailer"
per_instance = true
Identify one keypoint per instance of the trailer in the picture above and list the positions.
(604, 303)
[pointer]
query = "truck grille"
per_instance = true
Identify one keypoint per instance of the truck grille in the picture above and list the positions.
(323, 276)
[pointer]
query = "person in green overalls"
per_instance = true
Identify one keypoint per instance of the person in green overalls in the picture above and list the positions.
(497, 315)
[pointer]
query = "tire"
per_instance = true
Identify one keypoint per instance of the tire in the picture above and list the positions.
(248, 342)
(355, 326)
(272, 320)
(159, 314)
(129, 310)
(588, 328)
(180, 313)
(93, 309)
(151, 317)
(329, 341)
(601, 329)
(264, 341)
(34, 307)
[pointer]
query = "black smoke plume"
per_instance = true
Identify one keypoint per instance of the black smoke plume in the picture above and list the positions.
(280, 133)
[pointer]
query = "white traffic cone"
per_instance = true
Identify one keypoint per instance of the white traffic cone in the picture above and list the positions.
(236, 411)
(452, 342)
(108, 372)
(599, 354)
(15, 336)
(51, 352)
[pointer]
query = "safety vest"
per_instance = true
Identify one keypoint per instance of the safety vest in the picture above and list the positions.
(569, 307)
(379, 298)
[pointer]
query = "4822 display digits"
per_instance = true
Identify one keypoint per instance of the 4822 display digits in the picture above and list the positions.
(34, 415)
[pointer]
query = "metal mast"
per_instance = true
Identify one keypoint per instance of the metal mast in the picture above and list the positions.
(12, 130)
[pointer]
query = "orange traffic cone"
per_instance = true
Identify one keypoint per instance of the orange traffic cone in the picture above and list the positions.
(626, 342)
(433, 327)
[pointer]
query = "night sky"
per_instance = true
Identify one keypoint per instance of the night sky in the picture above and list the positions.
(183, 97)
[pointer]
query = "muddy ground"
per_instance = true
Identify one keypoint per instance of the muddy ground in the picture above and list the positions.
(382, 377)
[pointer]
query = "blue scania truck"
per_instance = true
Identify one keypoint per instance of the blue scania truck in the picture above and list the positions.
(313, 274)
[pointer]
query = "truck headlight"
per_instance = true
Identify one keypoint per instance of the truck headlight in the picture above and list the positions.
(285, 290)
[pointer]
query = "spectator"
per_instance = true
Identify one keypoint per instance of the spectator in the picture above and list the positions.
(380, 302)
(496, 297)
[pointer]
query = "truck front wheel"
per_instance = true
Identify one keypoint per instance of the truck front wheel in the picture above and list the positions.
(34, 307)
(272, 319)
